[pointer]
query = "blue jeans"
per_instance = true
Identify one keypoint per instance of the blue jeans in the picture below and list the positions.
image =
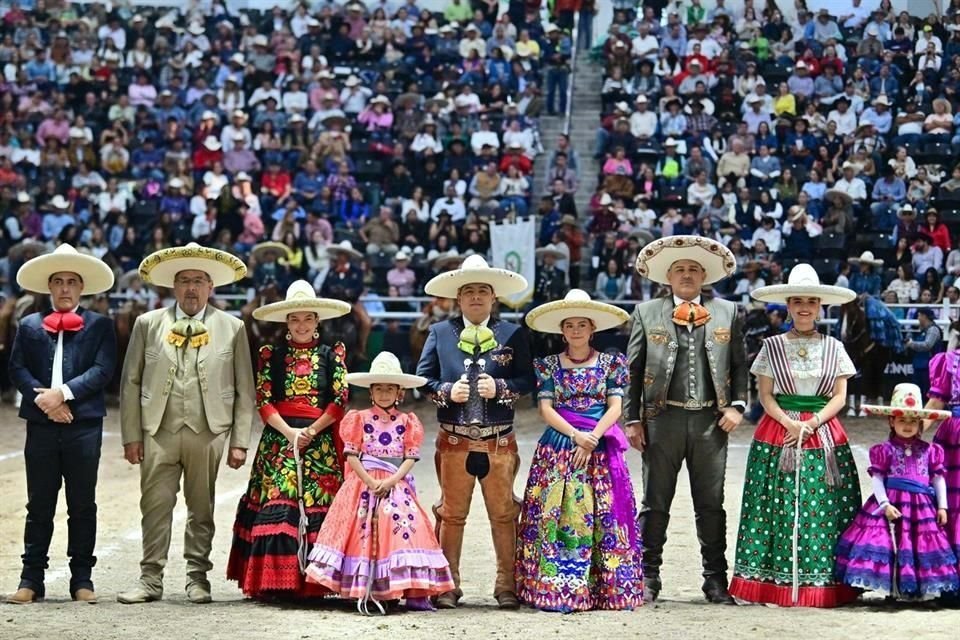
(56, 455)
(557, 81)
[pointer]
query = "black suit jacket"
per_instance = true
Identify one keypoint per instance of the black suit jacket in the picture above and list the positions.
(89, 360)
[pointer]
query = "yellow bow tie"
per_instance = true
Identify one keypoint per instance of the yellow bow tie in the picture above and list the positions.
(188, 329)
(691, 314)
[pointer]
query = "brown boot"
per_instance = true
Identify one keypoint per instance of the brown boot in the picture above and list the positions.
(448, 600)
(508, 600)
(85, 595)
(24, 595)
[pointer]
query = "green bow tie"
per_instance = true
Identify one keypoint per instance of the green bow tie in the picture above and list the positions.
(188, 329)
(473, 336)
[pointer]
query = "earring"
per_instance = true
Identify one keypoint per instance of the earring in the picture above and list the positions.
(289, 337)
(316, 335)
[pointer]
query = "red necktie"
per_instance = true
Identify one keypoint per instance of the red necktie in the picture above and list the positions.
(63, 321)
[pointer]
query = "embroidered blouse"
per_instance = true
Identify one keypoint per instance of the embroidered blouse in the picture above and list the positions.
(805, 359)
(581, 389)
(382, 434)
(302, 380)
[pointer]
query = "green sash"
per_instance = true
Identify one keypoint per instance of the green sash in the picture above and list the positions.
(801, 403)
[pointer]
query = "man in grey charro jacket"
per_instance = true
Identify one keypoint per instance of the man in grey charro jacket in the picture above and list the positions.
(688, 391)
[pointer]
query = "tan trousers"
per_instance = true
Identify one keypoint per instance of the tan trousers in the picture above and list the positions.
(166, 457)
(456, 493)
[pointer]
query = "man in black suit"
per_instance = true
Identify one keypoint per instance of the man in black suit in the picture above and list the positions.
(61, 362)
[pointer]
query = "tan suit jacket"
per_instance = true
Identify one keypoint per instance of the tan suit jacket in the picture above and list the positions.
(223, 367)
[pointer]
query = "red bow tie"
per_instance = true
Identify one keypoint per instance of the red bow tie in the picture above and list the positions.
(63, 321)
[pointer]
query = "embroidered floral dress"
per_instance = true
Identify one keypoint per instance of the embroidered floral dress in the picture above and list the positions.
(579, 547)
(300, 382)
(380, 548)
(945, 386)
(804, 372)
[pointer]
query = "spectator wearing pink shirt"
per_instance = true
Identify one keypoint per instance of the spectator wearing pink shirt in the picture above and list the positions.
(400, 276)
(142, 93)
(57, 127)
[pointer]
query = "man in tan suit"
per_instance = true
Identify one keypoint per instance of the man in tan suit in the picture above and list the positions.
(187, 390)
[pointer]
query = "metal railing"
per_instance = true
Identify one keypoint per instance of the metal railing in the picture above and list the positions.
(574, 48)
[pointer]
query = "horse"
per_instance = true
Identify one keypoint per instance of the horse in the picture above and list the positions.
(437, 310)
(261, 333)
(123, 321)
(870, 356)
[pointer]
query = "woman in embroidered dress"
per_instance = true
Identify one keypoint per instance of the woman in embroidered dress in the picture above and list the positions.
(787, 536)
(579, 547)
(301, 395)
(376, 526)
(909, 496)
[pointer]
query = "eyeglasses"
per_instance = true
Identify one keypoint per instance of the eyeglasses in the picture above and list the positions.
(190, 282)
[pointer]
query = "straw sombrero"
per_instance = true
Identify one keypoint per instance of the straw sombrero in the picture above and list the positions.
(475, 270)
(804, 281)
(907, 402)
(301, 296)
(35, 273)
(161, 267)
(386, 369)
(548, 317)
(655, 259)
(265, 247)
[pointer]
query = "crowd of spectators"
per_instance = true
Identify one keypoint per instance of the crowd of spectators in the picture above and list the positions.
(815, 140)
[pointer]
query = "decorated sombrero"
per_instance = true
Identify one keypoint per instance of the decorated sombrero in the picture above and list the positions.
(282, 250)
(161, 267)
(35, 273)
(804, 281)
(548, 317)
(655, 259)
(907, 402)
(475, 270)
(386, 369)
(301, 296)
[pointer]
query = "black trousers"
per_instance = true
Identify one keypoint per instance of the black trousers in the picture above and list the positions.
(675, 436)
(67, 455)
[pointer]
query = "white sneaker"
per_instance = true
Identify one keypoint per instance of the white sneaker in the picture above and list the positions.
(17, 399)
(863, 414)
(851, 413)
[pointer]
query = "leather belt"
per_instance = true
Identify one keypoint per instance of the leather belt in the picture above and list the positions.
(477, 432)
(691, 405)
(448, 442)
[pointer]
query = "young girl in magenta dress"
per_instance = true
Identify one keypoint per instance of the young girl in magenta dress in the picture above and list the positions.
(377, 543)
(910, 496)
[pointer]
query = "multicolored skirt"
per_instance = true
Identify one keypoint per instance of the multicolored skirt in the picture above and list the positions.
(263, 558)
(948, 437)
(924, 565)
(579, 547)
(763, 571)
(380, 548)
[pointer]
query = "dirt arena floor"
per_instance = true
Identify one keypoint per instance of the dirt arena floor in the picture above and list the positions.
(682, 612)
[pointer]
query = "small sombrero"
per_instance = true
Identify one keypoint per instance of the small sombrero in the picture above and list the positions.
(35, 273)
(265, 247)
(548, 317)
(655, 259)
(386, 369)
(475, 270)
(804, 281)
(301, 296)
(906, 402)
(161, 267)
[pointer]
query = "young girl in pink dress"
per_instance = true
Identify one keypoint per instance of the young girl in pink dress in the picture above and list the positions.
(896, 545)
(377, 543)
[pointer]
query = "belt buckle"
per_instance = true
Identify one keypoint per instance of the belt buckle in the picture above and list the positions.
(474, 432)
(692, 405)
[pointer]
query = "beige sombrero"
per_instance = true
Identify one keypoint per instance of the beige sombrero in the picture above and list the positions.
(386, 369)
(301, 296)
(550, 250)
(548, 317)
(346, 247)
(906, 402)
(475, 270)
(264, 247)
(35, 273)
(804, 281)
(161, 267)
(655, 259)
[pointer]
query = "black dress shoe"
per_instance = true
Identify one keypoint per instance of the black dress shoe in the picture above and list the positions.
(651, 588)
(715, 590)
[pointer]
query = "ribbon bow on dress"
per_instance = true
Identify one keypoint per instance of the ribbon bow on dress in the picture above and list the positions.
(188, 329)
(691, 314)
(63, 321)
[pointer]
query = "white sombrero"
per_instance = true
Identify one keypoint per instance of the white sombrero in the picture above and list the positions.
(804, 281)
(655, 260)
(346, 247)
(550, 250)
(301, 296)
(161, 267)
(548, 317)
(35, 273)
(907, 402)
(473, 271)
(867, 258)
(386, 369)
